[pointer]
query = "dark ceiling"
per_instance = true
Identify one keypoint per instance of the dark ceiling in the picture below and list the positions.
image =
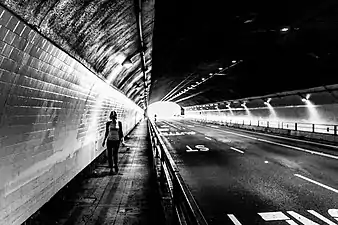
(278, 46)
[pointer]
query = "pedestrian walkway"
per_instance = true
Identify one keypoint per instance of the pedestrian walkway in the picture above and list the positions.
(128, 197)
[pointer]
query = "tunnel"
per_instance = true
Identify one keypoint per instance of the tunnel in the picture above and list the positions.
(245, 78)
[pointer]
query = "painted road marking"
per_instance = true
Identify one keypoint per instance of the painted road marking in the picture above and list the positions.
(321, 217)
(178, 133)
(190, 126)
(208, 138)
(202, 148)
(333, 213)
(190, 149)
(169, 124)
(291, 222)
(214, 126)
(234, 219)
(280, 216)
(301, 218)
(237, 150)
(163, 129)
(272, 216)
(293, 139)
(316, 182)
(284, 145)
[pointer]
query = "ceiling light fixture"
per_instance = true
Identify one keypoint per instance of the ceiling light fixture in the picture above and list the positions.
(267, 101)
(284, 29)
(304, 98)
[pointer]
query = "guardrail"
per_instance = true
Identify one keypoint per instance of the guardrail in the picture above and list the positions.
(185, 210)
(295, 126)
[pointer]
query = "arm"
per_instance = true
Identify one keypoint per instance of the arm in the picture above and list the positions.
(120, 131)
(106, 134)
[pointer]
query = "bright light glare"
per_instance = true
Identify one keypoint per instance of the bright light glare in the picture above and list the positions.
(233, 61)
(164, 110)
(284, 29)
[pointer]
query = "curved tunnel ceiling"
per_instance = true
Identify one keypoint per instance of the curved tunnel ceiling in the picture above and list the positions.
(277, 45)
(261, 47)
(102, 34)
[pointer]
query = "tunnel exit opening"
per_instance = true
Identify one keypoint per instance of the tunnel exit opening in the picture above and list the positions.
(164, 110)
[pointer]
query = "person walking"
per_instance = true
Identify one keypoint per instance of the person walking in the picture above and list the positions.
(113, 135)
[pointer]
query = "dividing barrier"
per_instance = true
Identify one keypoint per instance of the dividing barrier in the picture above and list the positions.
(319, 132)
(296, 126)
(184, 209)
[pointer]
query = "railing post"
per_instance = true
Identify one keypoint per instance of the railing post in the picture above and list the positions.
(258, 123)
(335, 129)
(282, 125)
(267, 124)
(295, 126)
(243, 122)
(250, 122)
(313, 127)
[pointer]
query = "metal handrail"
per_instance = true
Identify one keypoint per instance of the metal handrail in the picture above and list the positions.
(330, 129)
(185, 209)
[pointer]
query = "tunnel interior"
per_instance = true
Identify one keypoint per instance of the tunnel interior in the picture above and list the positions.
(65, 64)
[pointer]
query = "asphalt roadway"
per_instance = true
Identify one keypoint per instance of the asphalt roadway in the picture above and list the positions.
(239, 177)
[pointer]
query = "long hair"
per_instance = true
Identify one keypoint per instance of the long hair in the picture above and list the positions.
(113, 115)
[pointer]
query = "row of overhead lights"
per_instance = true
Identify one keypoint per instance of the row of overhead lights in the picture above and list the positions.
(205, 79)
(243, 103)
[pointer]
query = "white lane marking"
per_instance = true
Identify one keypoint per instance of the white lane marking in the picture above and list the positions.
(237, 150)
(293, 139)
(190, 149)
(214, 126)
(291, 222)
(169, 124)
(302, 219)
(284, 145)
(208, 138)
(333, 213)
(190, 126)
(270, 216)
(163, 129)
(316, 182)
(301, 149)
(319, 216)
(234, 219)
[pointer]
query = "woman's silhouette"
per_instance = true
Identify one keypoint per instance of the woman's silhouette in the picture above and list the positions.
(114, 135)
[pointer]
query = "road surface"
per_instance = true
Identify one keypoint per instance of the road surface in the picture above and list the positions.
(239, 177)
